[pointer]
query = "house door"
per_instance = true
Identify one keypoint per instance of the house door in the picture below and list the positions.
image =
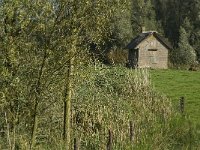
(133, 57)
(153, 60)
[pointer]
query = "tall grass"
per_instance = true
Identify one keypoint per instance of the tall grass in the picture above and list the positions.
(108, 98)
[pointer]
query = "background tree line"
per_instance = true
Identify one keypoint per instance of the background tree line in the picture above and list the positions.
(178, 21)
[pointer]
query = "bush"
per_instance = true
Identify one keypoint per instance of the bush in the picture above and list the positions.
(117, 56)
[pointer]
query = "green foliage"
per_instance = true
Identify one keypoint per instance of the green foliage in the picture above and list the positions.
(188, 27)
(37, 40)
(104, 98)
(122, 23)
(196, 42)
(117, 56)
(185, 54)
(111, 98)
(143, 15)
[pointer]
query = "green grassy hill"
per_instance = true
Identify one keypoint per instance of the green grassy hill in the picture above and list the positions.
(177, 83)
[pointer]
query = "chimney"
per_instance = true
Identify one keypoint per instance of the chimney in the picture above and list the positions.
(143, 29)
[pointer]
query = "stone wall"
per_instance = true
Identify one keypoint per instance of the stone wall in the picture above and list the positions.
(152, 53)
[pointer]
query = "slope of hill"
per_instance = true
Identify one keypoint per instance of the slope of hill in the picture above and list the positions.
(175, 84)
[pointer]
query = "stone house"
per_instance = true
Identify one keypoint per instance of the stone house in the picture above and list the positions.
(148, 49)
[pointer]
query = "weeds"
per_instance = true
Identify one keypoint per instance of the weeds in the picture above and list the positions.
(105, 100)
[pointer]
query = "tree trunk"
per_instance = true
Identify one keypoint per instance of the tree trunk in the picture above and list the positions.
(67, 104)
(36, 102)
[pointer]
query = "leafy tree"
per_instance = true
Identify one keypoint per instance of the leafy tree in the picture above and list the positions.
(185, 54)
(188, 27)
(195, 34)
(143, 15)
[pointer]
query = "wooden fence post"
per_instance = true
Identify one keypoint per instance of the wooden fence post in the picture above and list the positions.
(76, 144)
(131, 131)
(110, 139)
(182, 104)
(190, 135)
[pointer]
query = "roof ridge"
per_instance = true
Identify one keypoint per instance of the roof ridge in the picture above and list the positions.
(142, 36)
(150, 31)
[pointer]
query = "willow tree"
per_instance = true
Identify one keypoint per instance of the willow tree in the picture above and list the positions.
(85, 22)
(37, 38)
(10, 40)
(26, 33)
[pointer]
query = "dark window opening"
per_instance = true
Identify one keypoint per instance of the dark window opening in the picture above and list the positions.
(152, 49)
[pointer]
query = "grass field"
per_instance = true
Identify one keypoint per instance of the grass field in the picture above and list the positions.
(177, 83)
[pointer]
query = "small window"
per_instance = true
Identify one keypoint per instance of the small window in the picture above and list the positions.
(152, 49)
